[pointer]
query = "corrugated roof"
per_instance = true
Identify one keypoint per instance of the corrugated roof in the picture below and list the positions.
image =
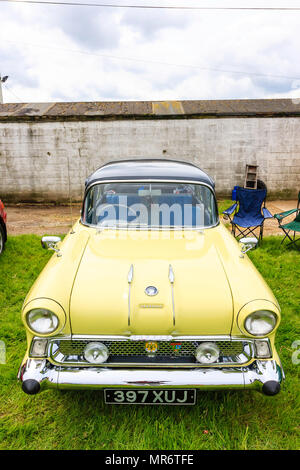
(148, 109)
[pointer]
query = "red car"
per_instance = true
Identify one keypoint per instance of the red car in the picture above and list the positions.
(3, 232)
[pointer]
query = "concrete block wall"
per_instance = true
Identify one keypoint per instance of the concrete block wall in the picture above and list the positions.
(48, 161)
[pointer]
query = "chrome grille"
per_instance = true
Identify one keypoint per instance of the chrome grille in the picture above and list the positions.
(137, 348)
(129, 351)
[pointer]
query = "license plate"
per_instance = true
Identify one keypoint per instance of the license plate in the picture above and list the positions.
(150, 397)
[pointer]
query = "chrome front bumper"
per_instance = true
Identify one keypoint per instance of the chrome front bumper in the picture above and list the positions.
(262, 375)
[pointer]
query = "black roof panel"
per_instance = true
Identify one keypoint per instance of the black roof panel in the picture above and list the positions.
(154, 169)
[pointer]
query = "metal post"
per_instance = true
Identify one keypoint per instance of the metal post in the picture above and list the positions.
(2, 80)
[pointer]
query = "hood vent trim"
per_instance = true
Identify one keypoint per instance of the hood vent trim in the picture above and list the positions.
(172, 280)
(129, 279)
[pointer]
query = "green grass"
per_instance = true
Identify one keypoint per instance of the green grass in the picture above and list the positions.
(224, 204)
(80, 420)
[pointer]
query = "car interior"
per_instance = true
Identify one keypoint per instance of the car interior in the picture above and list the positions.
(150, 204)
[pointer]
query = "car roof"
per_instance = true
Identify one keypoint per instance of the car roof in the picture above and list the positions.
(150, 169)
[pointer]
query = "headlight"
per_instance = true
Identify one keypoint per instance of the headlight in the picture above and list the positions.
(96, 353)
(260, 323)
(42, 321)
(207, 353)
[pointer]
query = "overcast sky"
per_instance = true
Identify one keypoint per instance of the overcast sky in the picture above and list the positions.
(60, 53)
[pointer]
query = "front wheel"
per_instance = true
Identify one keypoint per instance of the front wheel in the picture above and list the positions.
(2, 239)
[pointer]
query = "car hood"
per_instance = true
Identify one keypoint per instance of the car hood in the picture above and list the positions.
(194, 295)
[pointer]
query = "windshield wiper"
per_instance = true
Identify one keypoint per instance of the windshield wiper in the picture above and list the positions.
(121, 225)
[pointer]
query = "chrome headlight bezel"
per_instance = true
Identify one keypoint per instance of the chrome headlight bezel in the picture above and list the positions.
(45, 304)
(256, 306)
(266, 317)
(42, 315)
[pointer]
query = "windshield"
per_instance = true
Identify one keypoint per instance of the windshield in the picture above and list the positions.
(155, 205)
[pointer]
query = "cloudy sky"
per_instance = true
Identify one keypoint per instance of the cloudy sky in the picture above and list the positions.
(64, 53)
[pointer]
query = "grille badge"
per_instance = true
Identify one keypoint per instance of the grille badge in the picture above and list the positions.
(151, 290)
(151, 347)
(176, 347)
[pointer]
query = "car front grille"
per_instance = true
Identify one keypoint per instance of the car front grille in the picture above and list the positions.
(126, 352)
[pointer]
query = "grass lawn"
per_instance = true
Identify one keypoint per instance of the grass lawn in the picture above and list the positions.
(80, 420)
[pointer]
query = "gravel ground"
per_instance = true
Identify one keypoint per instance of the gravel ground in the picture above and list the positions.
(40, 219)
(47, 219)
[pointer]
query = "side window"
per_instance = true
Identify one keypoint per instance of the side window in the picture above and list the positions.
(93, 199)
(88, 210)
(205, 197)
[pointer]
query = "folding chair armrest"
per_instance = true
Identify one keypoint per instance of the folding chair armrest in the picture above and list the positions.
(266, 213)
(230, 209)
(282, 215)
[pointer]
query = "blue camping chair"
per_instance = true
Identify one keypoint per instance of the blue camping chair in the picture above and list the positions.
(248, 213)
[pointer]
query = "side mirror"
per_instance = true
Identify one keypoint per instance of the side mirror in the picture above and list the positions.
(248, 243)
(50, 243)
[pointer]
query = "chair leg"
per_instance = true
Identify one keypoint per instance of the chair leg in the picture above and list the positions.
(286, 233)
(261, 231)
(293, 242)
(251, 230)
(288, 236)
(241, 233)
(237, 232)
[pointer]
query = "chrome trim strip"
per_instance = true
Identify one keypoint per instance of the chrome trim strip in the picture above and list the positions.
(130, 274)
(172, 279)
(58, 361)
(95, 337)
(251, 377)
(150, 228)
(154, 338)
(150, 338)
(151, 180)
(171, 274)
(129, 278)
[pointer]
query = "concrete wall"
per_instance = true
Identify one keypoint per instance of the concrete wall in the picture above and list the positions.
(43, 161)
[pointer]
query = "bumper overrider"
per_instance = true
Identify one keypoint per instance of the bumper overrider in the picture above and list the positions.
(262, 375)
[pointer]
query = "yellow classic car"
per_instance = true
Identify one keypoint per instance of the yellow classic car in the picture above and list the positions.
(149, 297)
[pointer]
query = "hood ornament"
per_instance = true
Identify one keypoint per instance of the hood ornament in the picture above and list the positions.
(151, 290)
